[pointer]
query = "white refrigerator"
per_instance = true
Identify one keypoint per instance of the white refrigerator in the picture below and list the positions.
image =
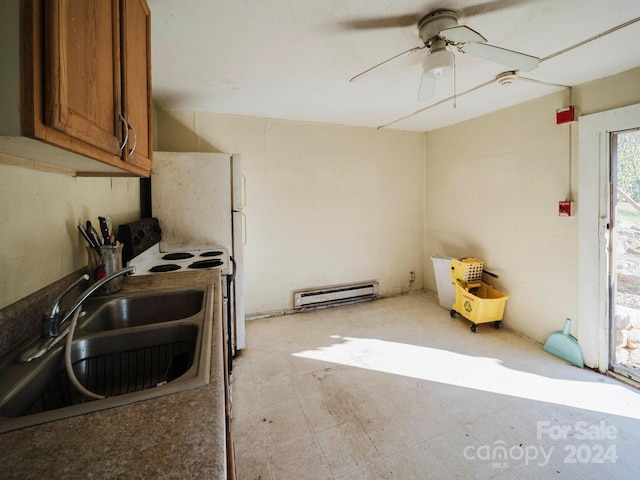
(198, 199)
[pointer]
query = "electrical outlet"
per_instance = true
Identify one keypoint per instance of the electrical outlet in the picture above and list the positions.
(412, 276)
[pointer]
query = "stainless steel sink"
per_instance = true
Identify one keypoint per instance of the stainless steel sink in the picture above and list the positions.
(128, 348)
(136, 310)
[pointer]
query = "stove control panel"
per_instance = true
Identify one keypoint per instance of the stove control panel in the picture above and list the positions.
(138, 236)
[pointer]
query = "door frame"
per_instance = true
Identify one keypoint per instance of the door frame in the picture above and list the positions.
(593, 219)
(618, 369)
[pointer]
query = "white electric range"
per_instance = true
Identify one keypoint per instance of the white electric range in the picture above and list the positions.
(154, 261)
(143, 248)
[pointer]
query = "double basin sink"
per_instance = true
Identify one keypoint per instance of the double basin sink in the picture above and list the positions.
(127, 348)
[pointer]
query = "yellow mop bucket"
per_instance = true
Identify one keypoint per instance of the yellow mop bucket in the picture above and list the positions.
(479, 302)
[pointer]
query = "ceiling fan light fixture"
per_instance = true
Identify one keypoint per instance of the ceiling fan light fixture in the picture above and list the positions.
(438, 63)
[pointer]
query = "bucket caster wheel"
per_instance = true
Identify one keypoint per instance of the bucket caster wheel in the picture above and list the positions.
(452, 313)
(474, 328)
(496, 324)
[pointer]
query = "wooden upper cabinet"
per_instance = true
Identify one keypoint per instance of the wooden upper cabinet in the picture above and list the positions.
(136, 80)
(82, 71)
(77, 90)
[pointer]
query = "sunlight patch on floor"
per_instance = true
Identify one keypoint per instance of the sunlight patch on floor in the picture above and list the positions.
(480, 373)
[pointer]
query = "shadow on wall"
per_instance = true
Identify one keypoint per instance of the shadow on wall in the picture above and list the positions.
(177, 136)
(462, 249)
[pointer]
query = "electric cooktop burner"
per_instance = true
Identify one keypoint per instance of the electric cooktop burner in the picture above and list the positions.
(165, 267)
(206, 263)
(152, 261)
(213, 253)
(177, 256)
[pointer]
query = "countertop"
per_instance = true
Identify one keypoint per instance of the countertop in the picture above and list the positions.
(179, 436)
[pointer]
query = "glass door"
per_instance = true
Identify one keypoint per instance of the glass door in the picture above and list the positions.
(624, 253)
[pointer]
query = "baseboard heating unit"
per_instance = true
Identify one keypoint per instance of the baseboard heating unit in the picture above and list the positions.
(335, 295)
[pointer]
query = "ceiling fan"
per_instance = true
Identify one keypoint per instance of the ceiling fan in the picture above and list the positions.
(439, 30)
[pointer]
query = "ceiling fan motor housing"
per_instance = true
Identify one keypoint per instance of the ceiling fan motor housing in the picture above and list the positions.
(431, 25)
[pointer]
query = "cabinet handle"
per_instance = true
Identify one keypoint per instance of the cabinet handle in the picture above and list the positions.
(135, 139)
(126, 133)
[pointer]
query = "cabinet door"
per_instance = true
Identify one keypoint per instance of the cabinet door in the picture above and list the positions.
(136, 80)
(82, 95)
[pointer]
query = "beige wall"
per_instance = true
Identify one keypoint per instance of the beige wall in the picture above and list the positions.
(330, 204)
(40, 212)
(325, 204)
(492, 187)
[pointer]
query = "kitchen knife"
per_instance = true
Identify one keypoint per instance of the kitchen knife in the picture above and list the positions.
(89, 240)
(105, 230)
(112, 238)
(93, 233)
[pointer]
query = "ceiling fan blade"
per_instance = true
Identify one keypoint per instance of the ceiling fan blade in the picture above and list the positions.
(516, 60)
(379, 23)
(368, 70)
(491, 6)
(412, 19)
(427, 87)
(462, 34)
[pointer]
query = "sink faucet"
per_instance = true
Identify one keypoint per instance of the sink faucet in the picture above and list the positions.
(52, 321)
(53, 318)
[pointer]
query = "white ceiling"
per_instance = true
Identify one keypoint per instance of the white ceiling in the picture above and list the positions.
(292, 59)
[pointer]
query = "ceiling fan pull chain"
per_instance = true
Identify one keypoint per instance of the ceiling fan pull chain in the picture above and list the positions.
(455, 82)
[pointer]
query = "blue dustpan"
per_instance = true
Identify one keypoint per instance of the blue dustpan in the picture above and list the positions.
(564, 345)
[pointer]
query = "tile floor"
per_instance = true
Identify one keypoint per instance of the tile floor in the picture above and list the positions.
(395, 390)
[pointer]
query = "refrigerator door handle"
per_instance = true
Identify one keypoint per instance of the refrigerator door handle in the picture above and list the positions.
(244, 191)
(244, 228)
(239, 184)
